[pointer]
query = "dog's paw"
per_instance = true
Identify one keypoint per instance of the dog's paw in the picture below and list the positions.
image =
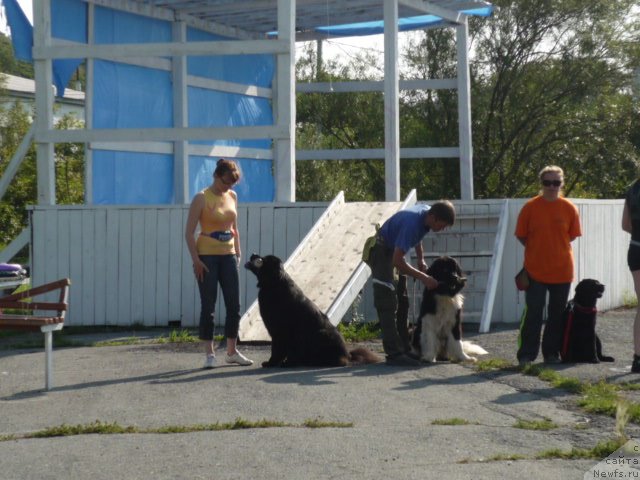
(428, 360)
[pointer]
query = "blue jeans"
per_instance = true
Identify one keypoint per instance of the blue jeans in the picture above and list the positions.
(223, 269)
(531, 325)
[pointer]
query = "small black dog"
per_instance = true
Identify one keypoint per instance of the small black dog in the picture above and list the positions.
(301, 334)
(580, 343)
(438, 335)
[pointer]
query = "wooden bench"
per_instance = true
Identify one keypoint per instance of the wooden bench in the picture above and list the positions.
(38, 319)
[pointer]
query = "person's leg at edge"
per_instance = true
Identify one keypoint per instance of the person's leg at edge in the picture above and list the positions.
(531, 326)
(230, 285)
(552, 337)
(635, 366)
(402, 313)
(385, 301)
(208, 289)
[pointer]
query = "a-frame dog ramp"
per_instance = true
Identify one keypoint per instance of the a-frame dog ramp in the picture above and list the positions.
(327, 265)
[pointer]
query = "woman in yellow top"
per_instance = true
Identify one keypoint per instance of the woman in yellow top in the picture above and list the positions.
(216, 257)
(547, 224)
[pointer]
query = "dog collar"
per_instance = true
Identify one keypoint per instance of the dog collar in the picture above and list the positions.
(582, 309)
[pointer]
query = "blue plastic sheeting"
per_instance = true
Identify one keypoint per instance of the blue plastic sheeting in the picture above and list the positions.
(129, 96)
(404, 24)
(129, 178)
(62, 12)
(256, 180)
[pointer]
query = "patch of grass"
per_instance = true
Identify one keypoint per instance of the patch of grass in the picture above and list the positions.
(118, 342)
(359, 332)
(493, 364)
(105, 428)
(629, 299)
(451, 421)
(318, 423)
(601, 398)
(601, 450)
(501, 457)
(544, 424)
(96, 427)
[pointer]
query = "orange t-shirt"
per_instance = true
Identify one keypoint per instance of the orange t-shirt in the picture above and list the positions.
(219, 214)
(548, 228)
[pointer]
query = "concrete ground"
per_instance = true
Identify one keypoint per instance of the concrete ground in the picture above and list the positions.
(385, 419)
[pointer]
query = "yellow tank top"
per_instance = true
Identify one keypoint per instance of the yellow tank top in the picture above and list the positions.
(219, 214)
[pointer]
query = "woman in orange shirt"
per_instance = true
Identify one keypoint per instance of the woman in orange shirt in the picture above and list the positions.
(216, 257)
(547, 224)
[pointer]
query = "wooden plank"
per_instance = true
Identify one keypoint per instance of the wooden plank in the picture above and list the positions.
(149, 267)
(124, 267)
(163, 236)
(113, 255)
(97, 249)
(74, 267)
(176, 241)
(87, 277)
(138, 247)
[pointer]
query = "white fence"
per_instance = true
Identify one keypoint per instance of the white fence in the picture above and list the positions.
(129, 265)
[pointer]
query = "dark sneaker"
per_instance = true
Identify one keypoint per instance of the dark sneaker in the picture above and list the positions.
(552, 360)
(403, 360)
(412, 354)
(524, 362)
(635, 366)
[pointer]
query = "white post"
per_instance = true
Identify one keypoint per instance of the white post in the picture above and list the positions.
(285, 105)
(48, 368)
(391, 103)
(88, 108)
(464, 112)
(44, 103)
(180, 119)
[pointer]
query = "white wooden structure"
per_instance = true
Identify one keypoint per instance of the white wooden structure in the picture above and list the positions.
(251, 21)
(327, 264)
(129, 265)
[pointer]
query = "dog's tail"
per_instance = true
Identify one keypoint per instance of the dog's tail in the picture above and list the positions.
(471, 348)
(363, 356)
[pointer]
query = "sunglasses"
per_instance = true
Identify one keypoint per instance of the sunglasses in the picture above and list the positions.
(228, 184)
(548, 183)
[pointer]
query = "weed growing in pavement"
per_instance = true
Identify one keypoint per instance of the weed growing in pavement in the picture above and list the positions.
(601, 398)
(105, 428)
(544, 424)
(452, 421)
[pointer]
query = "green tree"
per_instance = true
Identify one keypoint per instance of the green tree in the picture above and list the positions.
(22, 191)
(9, 64)
(323, 124)
(551, 86)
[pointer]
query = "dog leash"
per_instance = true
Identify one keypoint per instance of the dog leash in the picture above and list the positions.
(569, 324)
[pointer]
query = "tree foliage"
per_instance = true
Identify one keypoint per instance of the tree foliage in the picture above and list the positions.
(22, 191)
(551, 84)
(9, 64)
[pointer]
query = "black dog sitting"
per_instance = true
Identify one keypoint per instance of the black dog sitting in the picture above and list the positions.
(301, 334)
(580, 343)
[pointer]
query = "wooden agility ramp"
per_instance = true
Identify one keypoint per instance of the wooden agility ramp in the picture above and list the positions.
(327, 265)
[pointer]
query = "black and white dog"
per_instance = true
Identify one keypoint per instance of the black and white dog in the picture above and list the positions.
(580, 342)
(438, 335)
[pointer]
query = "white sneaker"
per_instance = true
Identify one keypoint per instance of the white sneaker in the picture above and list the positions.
(239, 359)
(210, 362)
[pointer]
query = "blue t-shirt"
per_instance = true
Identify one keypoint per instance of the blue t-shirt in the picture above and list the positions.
(406, 228)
